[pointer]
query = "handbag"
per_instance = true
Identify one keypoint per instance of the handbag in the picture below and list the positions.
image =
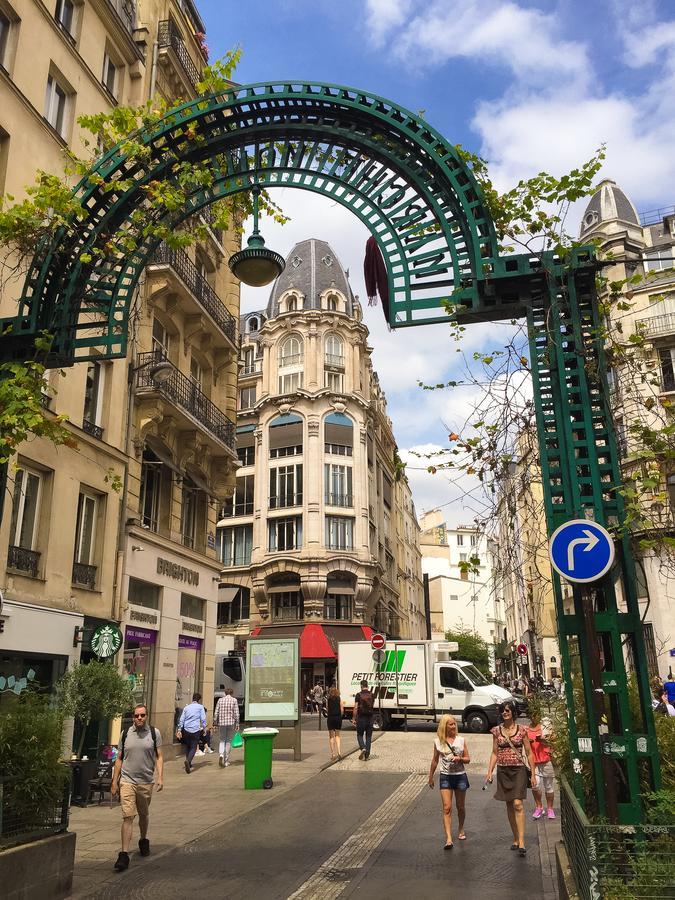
(523, 755)
(237, 740)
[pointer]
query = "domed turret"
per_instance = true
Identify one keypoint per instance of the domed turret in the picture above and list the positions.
(312, 270)
(608, 203)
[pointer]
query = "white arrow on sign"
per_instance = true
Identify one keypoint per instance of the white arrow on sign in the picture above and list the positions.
(590, 541)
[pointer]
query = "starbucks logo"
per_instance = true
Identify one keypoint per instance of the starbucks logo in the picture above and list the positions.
(106, 641)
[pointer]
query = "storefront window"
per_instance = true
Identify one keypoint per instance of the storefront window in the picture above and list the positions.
(187, 672)
(143, 593)
(139, 658)
(22, 671)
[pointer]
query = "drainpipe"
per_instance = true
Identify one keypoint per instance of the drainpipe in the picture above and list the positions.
(153, 70)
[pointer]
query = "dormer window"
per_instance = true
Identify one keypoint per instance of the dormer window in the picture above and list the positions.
(253, 324)
(291, 304)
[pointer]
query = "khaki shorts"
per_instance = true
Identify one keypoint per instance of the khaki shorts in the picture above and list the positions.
(135, 799)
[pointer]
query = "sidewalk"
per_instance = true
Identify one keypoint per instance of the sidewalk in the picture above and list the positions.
(190, 805)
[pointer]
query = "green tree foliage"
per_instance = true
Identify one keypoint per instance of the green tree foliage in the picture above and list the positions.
(31, 732)
(94, 690)
(472, 648)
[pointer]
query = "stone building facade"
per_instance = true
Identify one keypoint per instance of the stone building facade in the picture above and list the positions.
(310, 541)
(75, 552)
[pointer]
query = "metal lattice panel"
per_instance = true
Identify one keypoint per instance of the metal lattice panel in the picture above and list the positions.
(400, 177)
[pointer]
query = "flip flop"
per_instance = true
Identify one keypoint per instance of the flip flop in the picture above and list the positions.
(514, 846)
(522, 851)
(448, 846)
(462, 837)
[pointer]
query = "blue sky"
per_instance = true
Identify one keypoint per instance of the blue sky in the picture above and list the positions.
(528, 85)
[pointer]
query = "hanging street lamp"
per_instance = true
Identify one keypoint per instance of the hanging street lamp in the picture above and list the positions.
(256, 265)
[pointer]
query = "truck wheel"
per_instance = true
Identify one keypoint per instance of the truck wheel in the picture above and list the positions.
(477, 723)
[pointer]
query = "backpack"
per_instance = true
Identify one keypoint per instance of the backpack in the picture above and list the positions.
(366, 703)
(124, 738)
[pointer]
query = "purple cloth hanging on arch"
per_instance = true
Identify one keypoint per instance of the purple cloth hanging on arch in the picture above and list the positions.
(375, 274)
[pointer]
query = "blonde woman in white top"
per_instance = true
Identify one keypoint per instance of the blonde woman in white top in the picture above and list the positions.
(452, 752)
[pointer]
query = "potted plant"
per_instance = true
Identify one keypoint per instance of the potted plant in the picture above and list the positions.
(87, 692)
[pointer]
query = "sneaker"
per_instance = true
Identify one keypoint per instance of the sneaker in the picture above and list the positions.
(227, 762)
(208, 750)
(199, 753)
(144, 846)
(122, 861)
(362, 754)
(187, 767)
(550, 814)
(221, 762)
(538, 813)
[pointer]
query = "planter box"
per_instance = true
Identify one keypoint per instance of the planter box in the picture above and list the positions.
(41, 869)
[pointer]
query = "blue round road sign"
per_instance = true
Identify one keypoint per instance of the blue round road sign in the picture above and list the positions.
(581, 550)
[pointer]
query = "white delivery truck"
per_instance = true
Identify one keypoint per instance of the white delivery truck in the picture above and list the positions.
(230, 672)
(421, 680)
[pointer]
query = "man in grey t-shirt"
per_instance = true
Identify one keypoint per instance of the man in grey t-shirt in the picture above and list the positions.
(139, 753)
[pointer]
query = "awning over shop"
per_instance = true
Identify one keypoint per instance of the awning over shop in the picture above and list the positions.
(198, 481)
(291, 587)
(227, 593)
(316, 641)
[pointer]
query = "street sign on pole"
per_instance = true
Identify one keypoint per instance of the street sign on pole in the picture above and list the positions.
(581, 550)
(379, 657)
(378, 641)
(522, 650)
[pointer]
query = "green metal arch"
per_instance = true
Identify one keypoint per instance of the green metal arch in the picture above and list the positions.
(409, 186)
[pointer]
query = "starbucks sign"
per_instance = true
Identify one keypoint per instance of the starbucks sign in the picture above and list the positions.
(106, 641)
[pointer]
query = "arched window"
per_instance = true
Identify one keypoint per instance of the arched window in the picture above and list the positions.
(338, 435)
(334, 351)
(332, 302)
(291, 304)
(290, 352)
(253, 324)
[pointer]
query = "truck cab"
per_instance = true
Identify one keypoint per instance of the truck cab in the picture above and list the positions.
(229, 672)
(460, 689)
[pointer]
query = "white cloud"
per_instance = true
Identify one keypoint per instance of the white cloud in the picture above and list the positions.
(504, 33)
(385, 15)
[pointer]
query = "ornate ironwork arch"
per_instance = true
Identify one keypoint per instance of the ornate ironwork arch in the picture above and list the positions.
(409, 186)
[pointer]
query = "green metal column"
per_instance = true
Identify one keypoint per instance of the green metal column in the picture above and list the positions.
(580, 474)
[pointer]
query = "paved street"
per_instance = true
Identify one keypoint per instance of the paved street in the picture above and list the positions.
(355, 827)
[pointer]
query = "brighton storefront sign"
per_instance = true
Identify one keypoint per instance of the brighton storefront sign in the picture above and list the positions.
(106, 641)
(148, 618)
(174, 570)
(138, 661)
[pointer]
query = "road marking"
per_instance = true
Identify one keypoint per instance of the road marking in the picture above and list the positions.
(333, 875)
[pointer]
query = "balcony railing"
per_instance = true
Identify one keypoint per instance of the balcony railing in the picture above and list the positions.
(245, 508)
(343, 500)
(288, 613)
(252, 369)
(657, 326)
(94, 430)
(285, 501)
(334, 361)
(169, 36)
(183, 392)
(291, 359)
(188, 273)
(338, 613)
(84, 575)
(23, 560)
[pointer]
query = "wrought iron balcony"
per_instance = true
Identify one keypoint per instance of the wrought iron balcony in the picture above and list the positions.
(334, 361)
(288, 613)
(168, 36)
(286, 501)
(344, 500)
(198, 286)
(253, 369)
(184, 393)
(23, 560)
(94, 430)
(291, 359)
(338, 612)
(84, 575)
(657, 326)
(243, 508)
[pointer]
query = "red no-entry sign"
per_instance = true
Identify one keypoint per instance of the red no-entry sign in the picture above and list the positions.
(378, 641)
(522, 649)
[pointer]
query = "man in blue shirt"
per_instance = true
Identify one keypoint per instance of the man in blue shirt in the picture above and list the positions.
(190, 725)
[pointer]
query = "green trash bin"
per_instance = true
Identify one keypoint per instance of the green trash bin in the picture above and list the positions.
(258, 746)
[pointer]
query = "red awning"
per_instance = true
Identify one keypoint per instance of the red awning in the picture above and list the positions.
(314, 644)
(316, 641)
